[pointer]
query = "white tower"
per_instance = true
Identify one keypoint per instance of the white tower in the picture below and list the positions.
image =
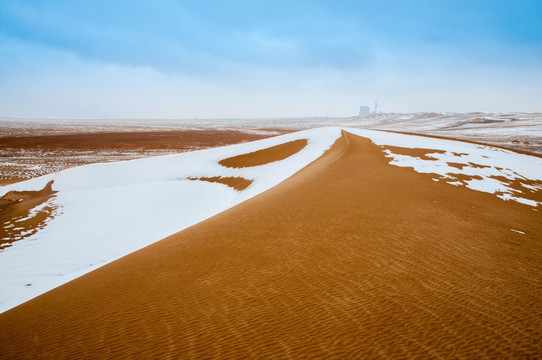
(364, 110)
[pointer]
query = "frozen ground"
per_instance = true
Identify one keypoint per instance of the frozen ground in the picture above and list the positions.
(106, 211)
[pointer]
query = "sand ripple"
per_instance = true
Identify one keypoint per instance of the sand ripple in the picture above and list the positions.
(349, 258)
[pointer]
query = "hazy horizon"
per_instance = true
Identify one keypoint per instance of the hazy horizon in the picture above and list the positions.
(242, 59)
(53, 118)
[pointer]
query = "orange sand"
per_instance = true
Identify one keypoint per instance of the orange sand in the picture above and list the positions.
(237, 182)
(61, 151)
(15, 208)
(143, 140)
(349, 258)
(517, 186)
(265, 156)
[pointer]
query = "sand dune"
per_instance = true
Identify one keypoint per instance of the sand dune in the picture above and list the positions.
(349, 258)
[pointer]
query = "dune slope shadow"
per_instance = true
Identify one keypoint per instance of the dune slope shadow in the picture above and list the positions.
(265, 156)
(349, 258)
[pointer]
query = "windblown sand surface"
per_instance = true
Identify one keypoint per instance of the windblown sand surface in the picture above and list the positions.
(349, 258)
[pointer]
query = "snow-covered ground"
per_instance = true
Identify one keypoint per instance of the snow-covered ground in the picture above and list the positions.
(507, 174)
(110, 210)
(106, 211)
(521, 131)
(453, 124)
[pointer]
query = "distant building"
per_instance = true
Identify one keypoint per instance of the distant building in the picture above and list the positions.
(364, 110)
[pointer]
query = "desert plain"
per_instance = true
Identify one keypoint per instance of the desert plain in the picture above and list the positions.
(385, 236)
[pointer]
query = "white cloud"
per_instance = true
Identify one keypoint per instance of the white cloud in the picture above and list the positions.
(47, 83)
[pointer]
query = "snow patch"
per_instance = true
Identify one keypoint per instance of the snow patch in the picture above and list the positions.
(109, 210)
(484, 164)
(112, 209)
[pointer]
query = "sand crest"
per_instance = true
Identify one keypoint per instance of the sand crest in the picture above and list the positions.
(349, 258)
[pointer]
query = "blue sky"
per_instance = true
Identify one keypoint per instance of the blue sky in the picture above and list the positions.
(184, 59)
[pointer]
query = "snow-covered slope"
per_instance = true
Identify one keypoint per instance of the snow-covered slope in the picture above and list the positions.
(105, 211)
(109, 210)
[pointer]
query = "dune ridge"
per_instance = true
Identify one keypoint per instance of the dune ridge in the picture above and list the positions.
(349, 258)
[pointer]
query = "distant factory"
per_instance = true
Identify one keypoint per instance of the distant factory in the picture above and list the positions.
(364, 110)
